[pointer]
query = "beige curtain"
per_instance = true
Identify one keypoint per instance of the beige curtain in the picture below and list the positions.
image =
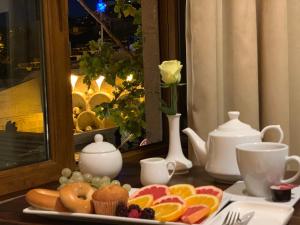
(244, 55)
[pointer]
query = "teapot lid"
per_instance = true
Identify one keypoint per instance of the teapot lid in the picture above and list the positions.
(235, 126)
(99, 146)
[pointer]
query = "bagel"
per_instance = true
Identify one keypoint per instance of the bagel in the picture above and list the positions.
(77, 197)
(45, 199)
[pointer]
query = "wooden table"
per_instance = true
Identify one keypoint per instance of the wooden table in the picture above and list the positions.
(11, 211)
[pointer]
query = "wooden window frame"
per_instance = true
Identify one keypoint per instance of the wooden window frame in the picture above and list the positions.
(58, 88)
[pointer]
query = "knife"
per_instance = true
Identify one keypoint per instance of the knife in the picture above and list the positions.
(245, 218)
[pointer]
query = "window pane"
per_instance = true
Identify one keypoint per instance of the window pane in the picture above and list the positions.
(110, 94)
(22, 89)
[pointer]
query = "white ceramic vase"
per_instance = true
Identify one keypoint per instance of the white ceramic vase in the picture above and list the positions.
(175, 153)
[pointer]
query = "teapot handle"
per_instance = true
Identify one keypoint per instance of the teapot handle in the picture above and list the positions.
(276, 127)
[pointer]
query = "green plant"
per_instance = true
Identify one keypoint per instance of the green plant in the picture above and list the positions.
(112, 60)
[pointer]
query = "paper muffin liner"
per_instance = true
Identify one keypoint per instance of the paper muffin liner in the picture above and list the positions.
(108, 207)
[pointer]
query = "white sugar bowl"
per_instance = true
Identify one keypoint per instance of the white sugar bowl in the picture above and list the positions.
(100, 158)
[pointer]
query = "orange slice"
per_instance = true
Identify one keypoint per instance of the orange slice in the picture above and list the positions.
(182, 190)
(168, 212)
(143, 201)
(209, 200)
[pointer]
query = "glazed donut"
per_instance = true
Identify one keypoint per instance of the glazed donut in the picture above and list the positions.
(45, 199)
(77, 197)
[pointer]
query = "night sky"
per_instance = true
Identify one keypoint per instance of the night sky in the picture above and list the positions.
(76, 10)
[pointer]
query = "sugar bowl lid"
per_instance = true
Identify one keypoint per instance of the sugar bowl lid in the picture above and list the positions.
(99, 146)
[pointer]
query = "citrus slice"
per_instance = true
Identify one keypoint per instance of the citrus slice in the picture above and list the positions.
(182, 190)
(168, 212)
(195, 213)
(169, 198)
(156, 190)
(203, 199)
(210, 190)
(143, 201)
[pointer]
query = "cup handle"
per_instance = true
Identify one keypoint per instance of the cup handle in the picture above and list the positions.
(173, 168)
(276, 127)
(295, 177)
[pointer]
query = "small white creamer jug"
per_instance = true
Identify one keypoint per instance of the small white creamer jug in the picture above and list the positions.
(156, 171)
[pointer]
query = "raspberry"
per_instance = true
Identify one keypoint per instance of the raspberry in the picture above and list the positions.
(133, 206)
(134, 213)
(122, 210)
(148, 214)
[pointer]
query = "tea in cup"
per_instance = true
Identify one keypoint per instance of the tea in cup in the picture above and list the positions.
(156, 171)
(263, 164)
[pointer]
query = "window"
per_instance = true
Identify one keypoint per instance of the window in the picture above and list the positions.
(23, 119)
(121, 101)
(35, 135)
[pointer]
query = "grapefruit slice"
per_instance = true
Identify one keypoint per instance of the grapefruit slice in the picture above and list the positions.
(210, 190)
(143, 201)
(156, 190)
(203, 199)
(182, 190)
(195, 213)
(168, 212)
(169, 198)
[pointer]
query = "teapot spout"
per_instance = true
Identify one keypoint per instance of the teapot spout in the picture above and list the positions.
(198, 145)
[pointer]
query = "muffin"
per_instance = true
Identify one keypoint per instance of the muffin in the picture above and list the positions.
(106, 199)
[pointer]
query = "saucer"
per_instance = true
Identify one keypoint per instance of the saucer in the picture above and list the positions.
(237, 192)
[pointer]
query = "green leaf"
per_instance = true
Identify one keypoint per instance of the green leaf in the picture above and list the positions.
(138, 17)
(117, 9)
(126, 12)
(132, 11)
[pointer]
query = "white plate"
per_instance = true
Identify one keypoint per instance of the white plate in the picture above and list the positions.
(237, 192)
(103, 218)
(265, 213)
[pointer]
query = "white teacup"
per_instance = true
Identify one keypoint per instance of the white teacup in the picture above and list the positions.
(156, 171)
(263, 164)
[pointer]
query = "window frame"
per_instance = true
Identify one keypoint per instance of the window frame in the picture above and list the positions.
(58, 88)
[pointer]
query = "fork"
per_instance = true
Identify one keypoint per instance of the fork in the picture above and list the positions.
(231, 218)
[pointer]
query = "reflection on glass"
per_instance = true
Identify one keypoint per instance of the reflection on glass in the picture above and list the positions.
(107, 57)
(22, 117)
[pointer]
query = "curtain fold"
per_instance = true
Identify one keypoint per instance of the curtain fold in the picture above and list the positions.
(243, 55)
(273, 74)
(202, 65)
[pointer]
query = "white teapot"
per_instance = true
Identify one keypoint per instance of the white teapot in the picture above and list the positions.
(218, 154)
(100, 158)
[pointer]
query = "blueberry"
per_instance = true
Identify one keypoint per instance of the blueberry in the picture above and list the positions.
(122, 210)
(148, 213)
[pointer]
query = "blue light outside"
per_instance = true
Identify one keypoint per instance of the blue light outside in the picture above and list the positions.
(101, 6)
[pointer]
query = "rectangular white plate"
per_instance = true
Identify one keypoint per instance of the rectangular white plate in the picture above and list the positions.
(237, 192)
(265, 213)
(103, 218)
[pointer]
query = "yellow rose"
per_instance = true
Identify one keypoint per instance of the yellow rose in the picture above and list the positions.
(170, 71)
